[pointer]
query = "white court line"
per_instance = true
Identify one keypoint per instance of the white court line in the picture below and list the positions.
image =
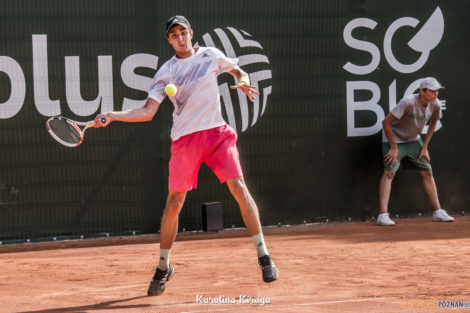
(292, 304)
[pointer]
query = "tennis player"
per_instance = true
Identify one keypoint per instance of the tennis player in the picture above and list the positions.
(199, 135)
(401, 139)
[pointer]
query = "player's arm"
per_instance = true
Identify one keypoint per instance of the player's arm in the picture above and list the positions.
(244, 83)
(142, 114)
(424, 149)
(392, 154)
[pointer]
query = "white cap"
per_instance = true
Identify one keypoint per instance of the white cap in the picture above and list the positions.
(430, 83)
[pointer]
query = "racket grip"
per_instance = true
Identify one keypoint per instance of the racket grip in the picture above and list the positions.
(103, 120)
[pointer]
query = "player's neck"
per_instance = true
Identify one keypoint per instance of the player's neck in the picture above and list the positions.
(186, 54)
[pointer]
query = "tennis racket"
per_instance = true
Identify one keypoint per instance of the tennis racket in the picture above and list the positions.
(68, 132)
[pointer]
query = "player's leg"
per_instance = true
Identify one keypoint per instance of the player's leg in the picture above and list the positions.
(384, 196)
(430, 188)
(425, 169)
(168, 231)
(439, 215)
(385, 186)
(183, 169)
(169, 223)
(223, 159)
(384, 190)
(248, 207)
(250, 216)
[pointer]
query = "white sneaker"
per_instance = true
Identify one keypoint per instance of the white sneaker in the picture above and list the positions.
(384, 220)
(441, 216)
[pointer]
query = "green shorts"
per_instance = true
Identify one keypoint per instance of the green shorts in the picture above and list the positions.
(408, 150)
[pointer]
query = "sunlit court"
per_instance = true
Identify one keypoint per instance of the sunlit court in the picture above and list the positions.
(353, 267)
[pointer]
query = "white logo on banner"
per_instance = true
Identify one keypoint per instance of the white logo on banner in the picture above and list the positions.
(234, 47)
(235, 43)
(46, 106)
(425, 39)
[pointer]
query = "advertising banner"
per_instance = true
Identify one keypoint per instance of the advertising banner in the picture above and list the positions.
(328, 72)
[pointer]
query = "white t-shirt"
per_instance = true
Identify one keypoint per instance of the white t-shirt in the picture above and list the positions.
(412, 117)
(197, 101)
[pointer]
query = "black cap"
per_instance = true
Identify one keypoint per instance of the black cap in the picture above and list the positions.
(177, 20)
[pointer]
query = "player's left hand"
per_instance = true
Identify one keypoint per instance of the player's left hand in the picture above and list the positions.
(424, 154)
(248, 90)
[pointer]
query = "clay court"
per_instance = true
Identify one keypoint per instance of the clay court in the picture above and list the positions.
(354, 267)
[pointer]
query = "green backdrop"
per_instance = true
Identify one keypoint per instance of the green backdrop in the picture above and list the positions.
(309, 149)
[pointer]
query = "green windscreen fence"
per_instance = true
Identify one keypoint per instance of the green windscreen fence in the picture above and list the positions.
(310, 146)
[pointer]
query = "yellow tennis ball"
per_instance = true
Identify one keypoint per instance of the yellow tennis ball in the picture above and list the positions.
(171, 90)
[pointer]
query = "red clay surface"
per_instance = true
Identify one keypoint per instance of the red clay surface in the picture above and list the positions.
(355, 267)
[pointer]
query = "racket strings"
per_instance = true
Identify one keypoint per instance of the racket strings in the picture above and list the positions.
(64, 131)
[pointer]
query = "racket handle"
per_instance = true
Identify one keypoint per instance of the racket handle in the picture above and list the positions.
(103, 120)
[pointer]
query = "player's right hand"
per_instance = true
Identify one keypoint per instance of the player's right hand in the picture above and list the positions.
(98, 120)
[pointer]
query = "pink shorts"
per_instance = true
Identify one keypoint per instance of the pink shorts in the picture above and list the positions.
(216, 147)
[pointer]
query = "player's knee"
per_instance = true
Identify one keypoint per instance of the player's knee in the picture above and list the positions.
(426, 174)
(239, 190)
(389, 174)
(174, 205)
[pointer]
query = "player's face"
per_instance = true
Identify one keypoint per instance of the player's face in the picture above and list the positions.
(180, 38)
(429, 95)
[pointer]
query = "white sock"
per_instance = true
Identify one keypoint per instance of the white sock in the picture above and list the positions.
(260, 245)
(164, 261)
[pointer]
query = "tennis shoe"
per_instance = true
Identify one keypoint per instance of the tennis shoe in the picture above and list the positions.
(441, 216)
(268, 269)
(157, 285)
(384, 220)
